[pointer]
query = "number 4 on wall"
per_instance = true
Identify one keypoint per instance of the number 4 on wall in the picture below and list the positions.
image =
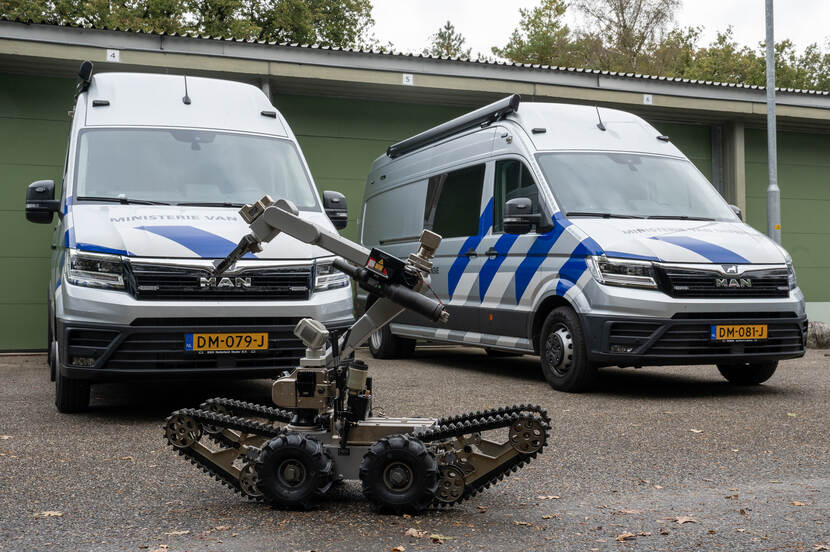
(114, 56)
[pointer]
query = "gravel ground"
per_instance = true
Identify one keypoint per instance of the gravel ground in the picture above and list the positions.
(745, 468)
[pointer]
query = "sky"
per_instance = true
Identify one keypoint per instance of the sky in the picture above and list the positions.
(408, 24)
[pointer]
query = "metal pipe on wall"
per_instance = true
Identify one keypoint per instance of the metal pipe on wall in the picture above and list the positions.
(773, 192)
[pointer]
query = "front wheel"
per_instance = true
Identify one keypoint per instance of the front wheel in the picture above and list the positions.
(748, 373)
(71, 395)
(399, 475)
(384, 344)
(293, 471)
(563, 353)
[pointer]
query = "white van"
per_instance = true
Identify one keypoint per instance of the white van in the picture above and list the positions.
(156, 169)
(581, 234)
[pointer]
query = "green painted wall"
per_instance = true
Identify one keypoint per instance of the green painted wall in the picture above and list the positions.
(803, 169)
(34, 127)
(340, 139)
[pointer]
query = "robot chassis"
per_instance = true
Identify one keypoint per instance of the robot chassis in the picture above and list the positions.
(322, 430)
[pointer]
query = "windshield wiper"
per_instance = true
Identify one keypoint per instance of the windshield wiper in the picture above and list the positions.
(210, 204)
(678, 217)
(121, 200)
(601, 215)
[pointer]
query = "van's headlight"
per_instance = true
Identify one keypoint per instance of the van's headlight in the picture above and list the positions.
(328, 277)
(622, 272)
(791, 273)
(94, 270)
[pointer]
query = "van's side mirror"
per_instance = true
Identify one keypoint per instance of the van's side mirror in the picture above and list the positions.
(335, 205)
(737, 211)
(41, 204)
(519, 217)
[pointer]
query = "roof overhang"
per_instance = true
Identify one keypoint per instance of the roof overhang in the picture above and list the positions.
(55, 50)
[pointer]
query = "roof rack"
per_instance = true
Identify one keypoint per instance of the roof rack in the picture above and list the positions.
(480, 117)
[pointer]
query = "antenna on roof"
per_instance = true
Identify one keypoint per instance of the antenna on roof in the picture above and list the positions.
(84, 76)
(600, 124)
(186, 98)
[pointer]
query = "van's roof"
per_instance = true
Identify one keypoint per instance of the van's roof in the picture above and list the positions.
(574, 127)
(141, 99)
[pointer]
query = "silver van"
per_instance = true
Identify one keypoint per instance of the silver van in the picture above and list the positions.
(580, 234)
(156, 169)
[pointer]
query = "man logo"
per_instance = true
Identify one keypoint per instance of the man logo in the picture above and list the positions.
(730, 269)
(224, 282)
(733, 283)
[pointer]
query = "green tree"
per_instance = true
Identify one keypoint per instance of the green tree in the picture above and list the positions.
(449, 43)
(542, 37)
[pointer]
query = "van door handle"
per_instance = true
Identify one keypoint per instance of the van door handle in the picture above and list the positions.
(53, 246)
(492, 252)
(471, 253)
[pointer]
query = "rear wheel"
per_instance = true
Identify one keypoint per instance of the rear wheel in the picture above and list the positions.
(399, 475)
(563, 354)
(748, 373)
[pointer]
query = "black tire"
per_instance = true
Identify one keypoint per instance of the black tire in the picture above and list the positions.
(562, 353)
(399, 475)
(50, 345)
(294, 471)
(384, 344)
(748, 373)
(71, 395)
(501, 353)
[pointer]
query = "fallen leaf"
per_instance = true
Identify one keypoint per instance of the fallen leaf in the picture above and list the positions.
(127, 458)
(400, 548)
(176, 533)
(438, 538)
(407, 516)
(5, 437)
(820, 547)
(482, 509)
(412, 532)
(685, 519)
(731, 497)
(742, 512)
(740, 530)
(775, 481)
(548, 497)
(632, 512)
(222, 527)
(797, 503)
(48, 513)
(551, 516)
(663, 531)
(696, 430)
(712, 532)
(658, 486)
(522, 523)
(626, 536)
(792, 414)
(644, 534)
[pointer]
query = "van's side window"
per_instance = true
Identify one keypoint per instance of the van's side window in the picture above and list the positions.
(453, 201)
(513, 179)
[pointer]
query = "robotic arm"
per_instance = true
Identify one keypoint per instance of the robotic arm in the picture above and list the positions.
(396, 282)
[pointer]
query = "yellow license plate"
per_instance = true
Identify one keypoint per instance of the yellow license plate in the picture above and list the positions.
(226, 341)
(739, 332)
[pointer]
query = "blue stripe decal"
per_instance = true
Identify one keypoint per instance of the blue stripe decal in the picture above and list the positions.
(203, 243)
(538, 253)
(633, 256)
(69, 237)
(92, 248)
(491, 266)
(712, 252)
(460, 263)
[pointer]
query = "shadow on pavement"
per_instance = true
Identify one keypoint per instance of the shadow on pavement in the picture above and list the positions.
(671, 382)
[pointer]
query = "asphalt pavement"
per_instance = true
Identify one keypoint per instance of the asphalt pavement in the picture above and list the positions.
(656, 459)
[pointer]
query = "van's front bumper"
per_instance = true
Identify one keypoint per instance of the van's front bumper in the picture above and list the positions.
(149, 350)
(687, 339)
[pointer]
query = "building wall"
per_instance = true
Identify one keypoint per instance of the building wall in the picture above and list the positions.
(34, 127)
(340, 139)
(803, 169)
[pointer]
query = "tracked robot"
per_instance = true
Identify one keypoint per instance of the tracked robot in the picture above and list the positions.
(322, 429)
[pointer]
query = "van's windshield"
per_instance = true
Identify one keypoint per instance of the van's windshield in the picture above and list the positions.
(629, 185)
(188, 167)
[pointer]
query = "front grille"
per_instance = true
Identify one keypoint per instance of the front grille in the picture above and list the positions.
(695, 340)
(167, 282)
(690, 282)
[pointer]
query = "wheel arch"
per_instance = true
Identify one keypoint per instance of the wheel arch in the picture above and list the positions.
(546, 306)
